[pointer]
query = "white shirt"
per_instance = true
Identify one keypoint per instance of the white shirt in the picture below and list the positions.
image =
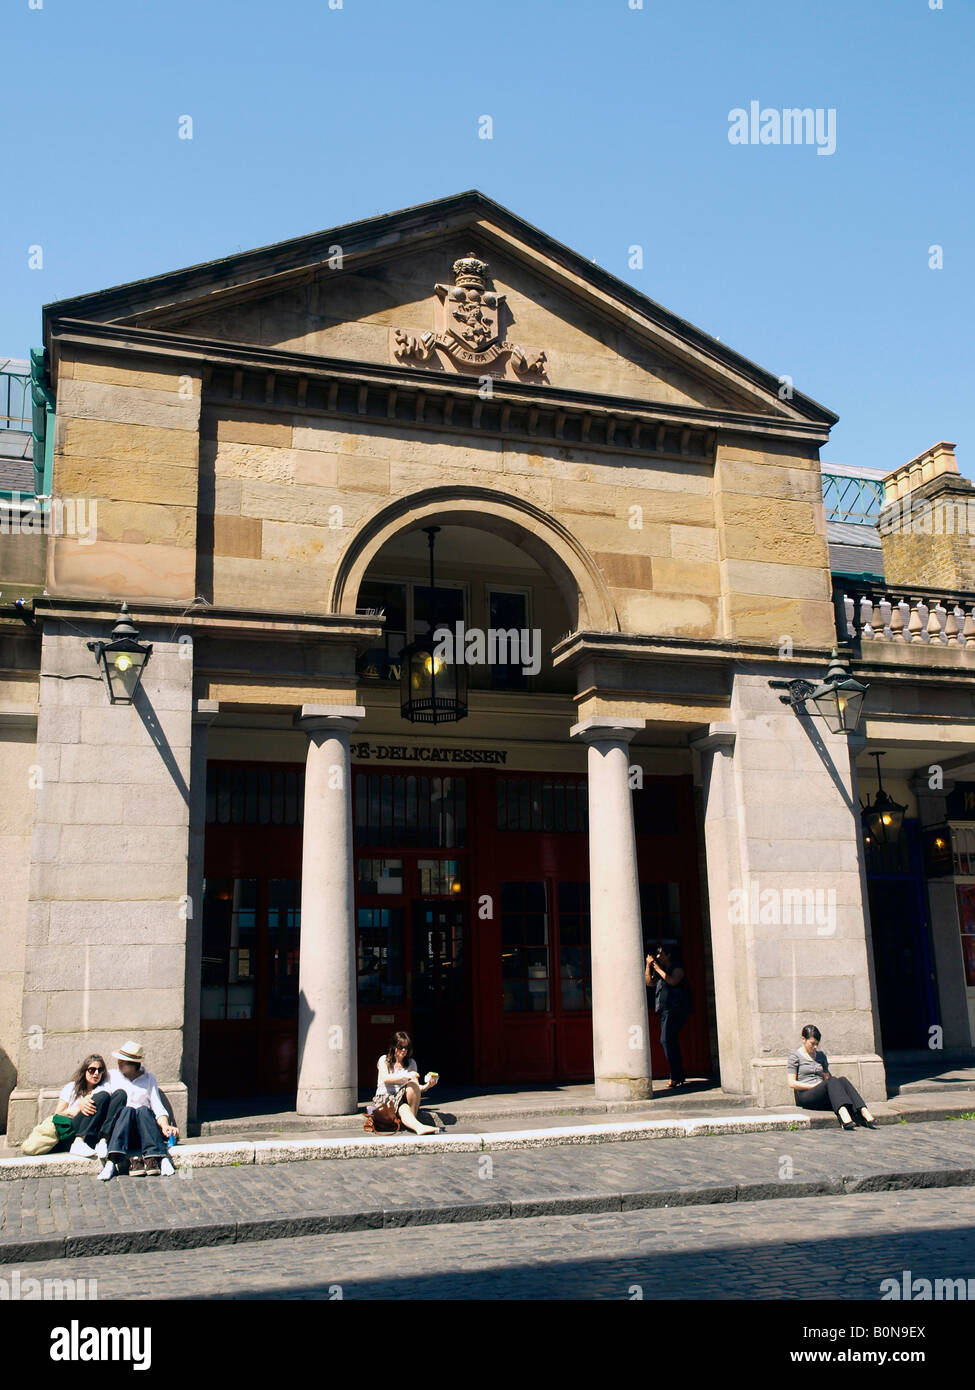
(69, 1097)
(389, 1081)
(141, 1090)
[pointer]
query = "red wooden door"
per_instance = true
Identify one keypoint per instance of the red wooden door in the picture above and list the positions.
(531, 863)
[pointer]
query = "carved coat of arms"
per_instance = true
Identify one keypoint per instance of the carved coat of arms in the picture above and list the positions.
(471, 329)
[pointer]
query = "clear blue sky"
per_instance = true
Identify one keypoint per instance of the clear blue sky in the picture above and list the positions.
(610, 128)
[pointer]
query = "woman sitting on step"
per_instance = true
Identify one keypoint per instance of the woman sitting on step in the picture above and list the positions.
(399, 1078)
(816, 1089)
(86, 1100)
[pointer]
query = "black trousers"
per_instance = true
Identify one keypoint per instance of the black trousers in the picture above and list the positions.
(101, 1124)
(830, 1095)
(91, 1128)
(670, 1026)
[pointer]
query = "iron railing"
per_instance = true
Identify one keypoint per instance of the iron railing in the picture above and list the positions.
(852, 499)
(15, 397)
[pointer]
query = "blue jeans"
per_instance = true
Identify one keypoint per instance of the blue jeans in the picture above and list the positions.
(137, 1131)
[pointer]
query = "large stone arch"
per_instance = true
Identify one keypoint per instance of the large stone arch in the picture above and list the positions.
(546, 540)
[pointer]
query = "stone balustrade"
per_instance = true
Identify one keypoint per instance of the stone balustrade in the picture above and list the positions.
(892, 616)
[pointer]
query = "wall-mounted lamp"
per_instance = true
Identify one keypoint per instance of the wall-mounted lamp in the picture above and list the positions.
(838, 698)
(122, 660)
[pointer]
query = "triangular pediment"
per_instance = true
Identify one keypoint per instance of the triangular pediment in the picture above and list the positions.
(387, 291)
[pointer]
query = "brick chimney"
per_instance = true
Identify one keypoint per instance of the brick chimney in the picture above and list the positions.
(927, 524)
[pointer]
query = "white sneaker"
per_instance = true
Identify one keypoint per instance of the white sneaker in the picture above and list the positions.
(166, 1168)
(101, 1149)
(80, 1149)
(107, 1172)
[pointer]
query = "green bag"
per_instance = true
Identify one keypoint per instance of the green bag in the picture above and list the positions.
(64, 1125)
(47, 1135)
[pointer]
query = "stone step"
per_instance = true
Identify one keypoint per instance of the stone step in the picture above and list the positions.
(232, 1151)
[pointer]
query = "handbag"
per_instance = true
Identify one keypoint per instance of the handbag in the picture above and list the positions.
(383, 1117)
(42, 1138)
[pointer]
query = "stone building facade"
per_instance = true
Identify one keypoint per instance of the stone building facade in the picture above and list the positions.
(260, 867)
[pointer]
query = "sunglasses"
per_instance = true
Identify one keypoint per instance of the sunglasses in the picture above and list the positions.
(95, 1071)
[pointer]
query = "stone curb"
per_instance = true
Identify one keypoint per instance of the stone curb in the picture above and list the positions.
(203, 1234)
(265, 1151)
(214, 1154)
(212, 1129)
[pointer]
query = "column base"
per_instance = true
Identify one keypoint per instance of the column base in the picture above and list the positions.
(623, 1088)
(340, 1100)
(866, 1071)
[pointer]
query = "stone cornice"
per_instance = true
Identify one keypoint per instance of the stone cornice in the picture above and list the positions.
(702, 651)
(219, 622)
(273, 379)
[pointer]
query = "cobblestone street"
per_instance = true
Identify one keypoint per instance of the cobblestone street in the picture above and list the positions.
(77, 1215)
(832, 1248)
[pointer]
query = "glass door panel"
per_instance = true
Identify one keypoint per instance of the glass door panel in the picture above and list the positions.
(283, 935)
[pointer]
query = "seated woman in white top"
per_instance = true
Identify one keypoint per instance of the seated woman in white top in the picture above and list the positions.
(399, 1078)
(85, 1101)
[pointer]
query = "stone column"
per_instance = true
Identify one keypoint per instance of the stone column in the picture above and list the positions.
(204, 713)
(327, 1072)
(735, 1004)
(790, 928)
(620, 1032)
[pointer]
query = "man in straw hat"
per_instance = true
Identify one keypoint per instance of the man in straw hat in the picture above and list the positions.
(142, 1127)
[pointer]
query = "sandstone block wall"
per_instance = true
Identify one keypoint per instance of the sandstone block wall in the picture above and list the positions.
(679, 556)
(127, 440)
(774, 560)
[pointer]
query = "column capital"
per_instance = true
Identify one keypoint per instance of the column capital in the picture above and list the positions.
(314, 718)
(715, 736)
(605, 728)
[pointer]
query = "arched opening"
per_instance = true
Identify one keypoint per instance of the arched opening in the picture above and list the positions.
(489, 586)
(513, 520)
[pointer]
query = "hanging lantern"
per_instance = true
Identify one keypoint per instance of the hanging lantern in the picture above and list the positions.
(883, 817)
(433, 681)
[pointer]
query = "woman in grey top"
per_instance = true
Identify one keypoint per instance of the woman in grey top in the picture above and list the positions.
(815, 1089)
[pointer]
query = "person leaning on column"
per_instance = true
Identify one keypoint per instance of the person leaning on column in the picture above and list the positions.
(816, 1089)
